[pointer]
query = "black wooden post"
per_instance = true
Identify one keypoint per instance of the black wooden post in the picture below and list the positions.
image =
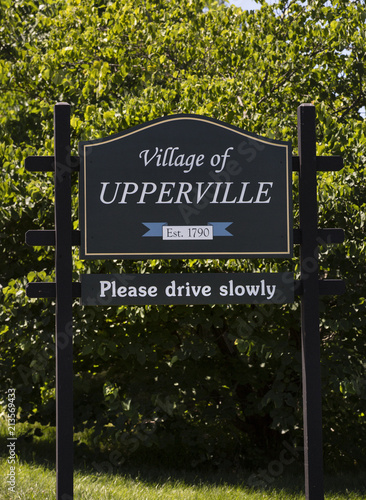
(63, 240)
(310, 336)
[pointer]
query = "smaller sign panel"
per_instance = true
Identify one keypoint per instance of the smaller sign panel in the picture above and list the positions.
(203, 288)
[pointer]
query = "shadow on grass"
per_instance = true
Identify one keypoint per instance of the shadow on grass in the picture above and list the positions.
(38, 446)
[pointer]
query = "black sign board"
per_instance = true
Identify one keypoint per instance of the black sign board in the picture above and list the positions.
(185, 186)
(207, 288)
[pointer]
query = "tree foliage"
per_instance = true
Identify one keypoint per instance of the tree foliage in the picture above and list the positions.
(216, 382)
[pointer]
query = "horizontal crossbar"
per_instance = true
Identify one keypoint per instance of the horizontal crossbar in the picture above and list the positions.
(48, 290)
(47, 164)
(325, 236)
(46, 237)
(323, 163)
(332, 287)
(326, 287)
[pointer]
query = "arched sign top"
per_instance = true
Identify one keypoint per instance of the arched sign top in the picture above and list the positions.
(182, 117)
(185, 186)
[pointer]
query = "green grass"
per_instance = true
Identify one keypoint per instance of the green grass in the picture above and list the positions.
(36, 477)
(38, 482)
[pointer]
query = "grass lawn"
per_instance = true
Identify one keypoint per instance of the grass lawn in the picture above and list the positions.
(38, 482)
(35, 478)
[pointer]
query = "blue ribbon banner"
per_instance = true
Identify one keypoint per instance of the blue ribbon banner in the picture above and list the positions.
(155, 229)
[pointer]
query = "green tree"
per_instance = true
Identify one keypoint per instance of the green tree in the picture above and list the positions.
(219, 382)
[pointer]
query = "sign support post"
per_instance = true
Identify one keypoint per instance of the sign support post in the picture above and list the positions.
(63, 264)
(310, 335)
